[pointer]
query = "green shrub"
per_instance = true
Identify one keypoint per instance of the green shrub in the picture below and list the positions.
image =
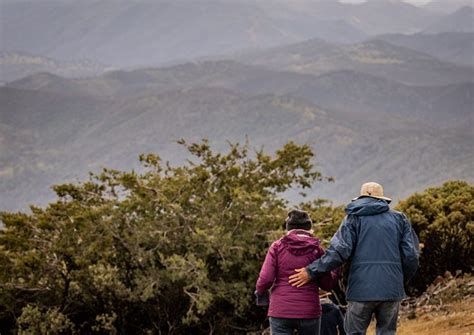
(171, 249)
(443, 218)
(326, 218)
(52, 321)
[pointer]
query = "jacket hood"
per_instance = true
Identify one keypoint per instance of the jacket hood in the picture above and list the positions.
(367, 206)
(300, 242)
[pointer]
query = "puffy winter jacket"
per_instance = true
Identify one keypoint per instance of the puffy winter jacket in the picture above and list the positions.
(295, 250)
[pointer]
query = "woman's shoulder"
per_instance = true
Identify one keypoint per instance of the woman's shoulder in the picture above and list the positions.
(277, 244)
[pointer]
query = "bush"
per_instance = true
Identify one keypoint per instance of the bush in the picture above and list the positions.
(172, 249)
(326, 218)
(443, 218)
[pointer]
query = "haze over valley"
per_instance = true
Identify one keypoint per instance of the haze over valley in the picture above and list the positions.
(382, 90)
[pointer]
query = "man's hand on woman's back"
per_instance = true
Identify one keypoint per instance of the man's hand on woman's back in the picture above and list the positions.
(300, 278)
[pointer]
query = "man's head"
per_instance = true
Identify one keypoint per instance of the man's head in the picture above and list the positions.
(298, 219)
(373, 190)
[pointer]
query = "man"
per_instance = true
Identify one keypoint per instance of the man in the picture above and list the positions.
(383, 250)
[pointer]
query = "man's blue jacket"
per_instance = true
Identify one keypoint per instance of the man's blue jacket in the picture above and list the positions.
(381, 247)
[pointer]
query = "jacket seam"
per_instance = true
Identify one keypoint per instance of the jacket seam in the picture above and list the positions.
(376, 262)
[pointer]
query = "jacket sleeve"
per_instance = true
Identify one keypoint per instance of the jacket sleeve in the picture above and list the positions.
(268, 272)
(340, 249)
(329, 280)
(409, 249)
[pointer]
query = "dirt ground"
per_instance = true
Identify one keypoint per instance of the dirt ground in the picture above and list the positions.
(456, 318)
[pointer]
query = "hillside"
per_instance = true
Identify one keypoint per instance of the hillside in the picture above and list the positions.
(16, 65)
(460, 21)
(142, 33)
(459, 320)
(56, 136)
(375, 57)
(447, 7)
(371, 17)
(383, 16)
(350, 91)
(454, 47)
(96, 30)
(446, 308)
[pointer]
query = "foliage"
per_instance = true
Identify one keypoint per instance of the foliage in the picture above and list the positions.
(178, 249)
(443, 218)
(52, 321)
(326, 218)
(170, 249)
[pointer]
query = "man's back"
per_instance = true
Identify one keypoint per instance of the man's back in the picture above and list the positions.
(382, 249)
(376, 272)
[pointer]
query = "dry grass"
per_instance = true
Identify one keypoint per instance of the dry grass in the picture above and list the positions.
(458, 320)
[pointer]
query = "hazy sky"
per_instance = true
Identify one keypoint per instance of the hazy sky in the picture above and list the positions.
(418, 2)
(415, 2)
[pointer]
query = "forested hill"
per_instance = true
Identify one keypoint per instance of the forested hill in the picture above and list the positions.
(361, 126)
(376, 57)
(15, 65)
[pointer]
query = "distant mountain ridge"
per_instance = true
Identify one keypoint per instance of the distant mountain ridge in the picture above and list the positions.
(454, 47)
(460, 21)
(143, 33)
(447, 7)
(16, 65)
(354, 122)
(344, 90)
(375, 57)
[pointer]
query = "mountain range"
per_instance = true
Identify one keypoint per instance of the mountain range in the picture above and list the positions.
(375, 57)
(447, 7)
(149, 33)
(460, 21)
(360, 126)
(15, 65)
(379, 90)
(346, 90)
(454, 47)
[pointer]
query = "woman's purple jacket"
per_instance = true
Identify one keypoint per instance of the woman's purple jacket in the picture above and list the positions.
(295, 250)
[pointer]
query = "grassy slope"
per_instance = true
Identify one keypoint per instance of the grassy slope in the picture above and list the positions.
(446, 308)
(459, 321)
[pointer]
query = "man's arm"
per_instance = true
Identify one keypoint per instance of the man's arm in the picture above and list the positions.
(409, 250)
(340, 250)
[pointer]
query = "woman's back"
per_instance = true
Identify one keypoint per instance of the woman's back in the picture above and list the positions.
(295, 250)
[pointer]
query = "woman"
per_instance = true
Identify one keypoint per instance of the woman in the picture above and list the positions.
(292, 307)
